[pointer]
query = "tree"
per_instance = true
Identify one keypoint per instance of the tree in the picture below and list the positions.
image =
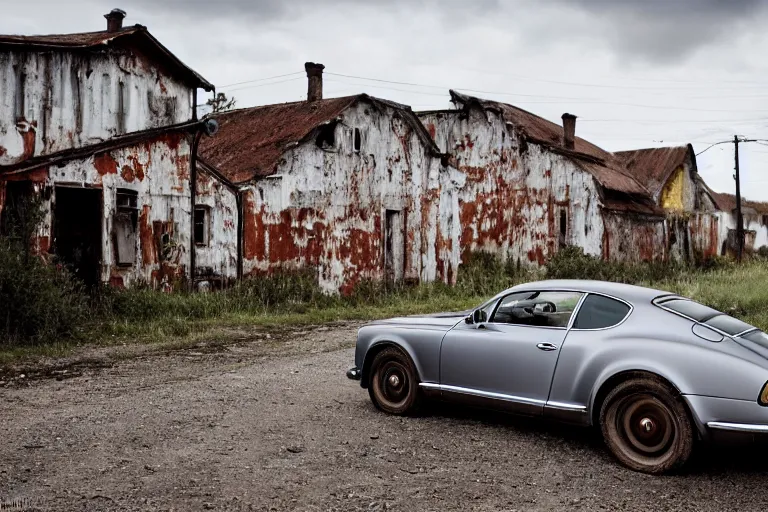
(220, 103)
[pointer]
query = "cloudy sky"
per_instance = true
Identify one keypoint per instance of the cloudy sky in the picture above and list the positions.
(638, 73)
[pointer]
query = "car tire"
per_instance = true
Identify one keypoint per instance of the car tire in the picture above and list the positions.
(394, 383)
(646, 425)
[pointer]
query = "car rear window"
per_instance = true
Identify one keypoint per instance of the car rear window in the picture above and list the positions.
(758, 337)
(599, 312)
(728, 324)
(691, 309)
(706, 315)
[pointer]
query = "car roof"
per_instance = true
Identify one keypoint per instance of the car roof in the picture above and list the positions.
(628, 292)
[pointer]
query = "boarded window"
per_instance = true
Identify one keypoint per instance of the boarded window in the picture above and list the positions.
(19, 104)
(121, 124)
(126, 221)
(202, 220)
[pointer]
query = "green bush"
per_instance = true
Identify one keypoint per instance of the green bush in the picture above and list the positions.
(39, 303)
(572, 263)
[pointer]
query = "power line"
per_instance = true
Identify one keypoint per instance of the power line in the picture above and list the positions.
(260, 79)
(759, 83)
(532, 79)
(571, 99)
(713, 145)
(264, 85)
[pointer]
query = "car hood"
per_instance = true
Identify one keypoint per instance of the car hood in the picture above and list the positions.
(441, 321)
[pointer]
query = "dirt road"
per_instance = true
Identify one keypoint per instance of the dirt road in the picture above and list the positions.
(271, 423)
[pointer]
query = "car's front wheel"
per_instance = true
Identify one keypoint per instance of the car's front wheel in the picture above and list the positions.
(646, 425)
(394, 384)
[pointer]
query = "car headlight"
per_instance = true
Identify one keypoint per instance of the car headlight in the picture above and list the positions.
(763, 400)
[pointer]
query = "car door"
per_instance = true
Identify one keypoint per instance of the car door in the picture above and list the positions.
(508, 360)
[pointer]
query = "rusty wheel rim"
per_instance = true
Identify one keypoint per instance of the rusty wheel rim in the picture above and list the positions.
(646, 426)
(394, 384)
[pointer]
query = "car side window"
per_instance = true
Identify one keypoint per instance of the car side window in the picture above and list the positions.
(599, 312)
(539, 309)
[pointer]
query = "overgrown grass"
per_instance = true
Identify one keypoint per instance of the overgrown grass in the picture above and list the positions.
(145, 315)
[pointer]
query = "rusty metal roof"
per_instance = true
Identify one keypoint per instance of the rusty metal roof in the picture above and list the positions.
(653, 166)
(250, 142)
(603, 165)
(136, 37)
(727, 203)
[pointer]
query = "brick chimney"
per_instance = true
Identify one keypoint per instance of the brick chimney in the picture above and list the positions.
(315, 81)
(569, 130)
(115, 20)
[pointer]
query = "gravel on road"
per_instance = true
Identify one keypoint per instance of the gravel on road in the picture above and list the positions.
(270, 422)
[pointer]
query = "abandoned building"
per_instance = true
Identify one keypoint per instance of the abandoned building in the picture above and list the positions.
(348, 186)
(533, 187)
(103, 126)
(755, 219)
(671, 176)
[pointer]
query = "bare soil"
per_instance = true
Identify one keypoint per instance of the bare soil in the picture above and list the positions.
(268, 421)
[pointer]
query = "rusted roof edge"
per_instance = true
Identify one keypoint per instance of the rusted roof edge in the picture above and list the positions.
(629, 208)
(136, 30)
(667, 172)
(213, 171)
(85, 151)
(412, 119)
(201, 82)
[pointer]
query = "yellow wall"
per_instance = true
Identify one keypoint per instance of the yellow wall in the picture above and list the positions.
(672, 193)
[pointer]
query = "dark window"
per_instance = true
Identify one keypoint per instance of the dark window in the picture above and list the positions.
(201, 225)
(358, 140)
(538, 309)
(326, 136)
(598, 312)
(563, 227)
(758, 337)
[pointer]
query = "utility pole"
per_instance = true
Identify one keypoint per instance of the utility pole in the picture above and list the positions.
(739, 218)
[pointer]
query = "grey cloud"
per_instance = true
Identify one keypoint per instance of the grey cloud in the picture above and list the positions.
(263, 11)
(668, 31)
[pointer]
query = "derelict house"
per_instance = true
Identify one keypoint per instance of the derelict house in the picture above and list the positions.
(529, 187)
(347, 186)
(755, 223)
(102, 126)
(671, 176)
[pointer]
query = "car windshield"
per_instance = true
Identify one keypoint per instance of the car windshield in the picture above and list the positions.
(706, 315)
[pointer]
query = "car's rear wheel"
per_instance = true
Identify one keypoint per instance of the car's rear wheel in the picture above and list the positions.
(394, 384)
(646, 425)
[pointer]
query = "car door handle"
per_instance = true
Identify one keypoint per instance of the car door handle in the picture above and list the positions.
(547, 347)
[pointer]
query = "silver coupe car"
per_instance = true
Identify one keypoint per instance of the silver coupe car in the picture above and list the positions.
(655, 371)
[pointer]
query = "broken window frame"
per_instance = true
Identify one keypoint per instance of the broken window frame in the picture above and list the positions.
(126, 220)
(204, 238)
(325, 137)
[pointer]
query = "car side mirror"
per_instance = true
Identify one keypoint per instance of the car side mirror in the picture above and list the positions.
(469, 320)
(479, 316)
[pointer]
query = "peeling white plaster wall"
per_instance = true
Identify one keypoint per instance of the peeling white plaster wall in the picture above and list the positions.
(52, 101)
